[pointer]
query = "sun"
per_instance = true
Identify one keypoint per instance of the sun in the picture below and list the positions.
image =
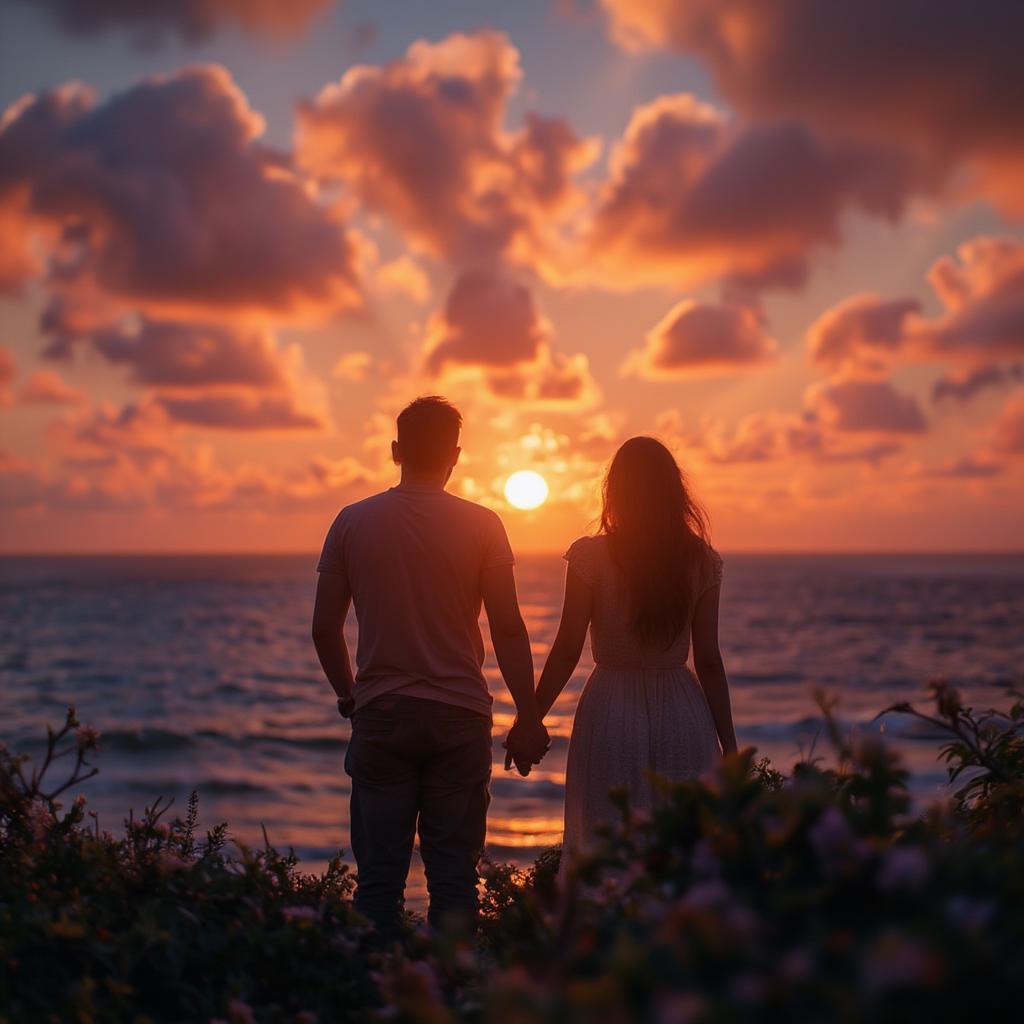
(526, 489)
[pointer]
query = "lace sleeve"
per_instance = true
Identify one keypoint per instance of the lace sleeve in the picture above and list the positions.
(580, 559)
(713, 572)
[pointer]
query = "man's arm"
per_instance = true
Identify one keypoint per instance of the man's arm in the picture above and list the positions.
(512, 649)
(333, 598)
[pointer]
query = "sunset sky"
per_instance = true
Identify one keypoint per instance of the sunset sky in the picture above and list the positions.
(236, 237)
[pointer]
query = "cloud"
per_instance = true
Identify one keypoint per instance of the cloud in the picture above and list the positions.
(163, 198)
(488, 319)
(8, 371)
(861, 332)
(693, 197)
(491, 328)
(129, 458)
(945, 86)
(965, 385)
(981, 331)
(771, 437)
(697, 338)
(968, 467)
(169, 354)
(44, 387)
(421, 141)
(245, 412)
(866, 406)
(192, 20)
(1008, 430)
(352, 366)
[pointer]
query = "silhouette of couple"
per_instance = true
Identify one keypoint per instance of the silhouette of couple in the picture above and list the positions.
(417, 562)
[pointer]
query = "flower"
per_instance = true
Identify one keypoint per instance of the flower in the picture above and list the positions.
(300, 913)
(240, 1012)
(970, 914)
(903, 867)
(895, 961)
(86, 737)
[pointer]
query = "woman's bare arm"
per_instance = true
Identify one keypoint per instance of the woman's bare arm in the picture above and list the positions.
(565, 652)
(707, 660)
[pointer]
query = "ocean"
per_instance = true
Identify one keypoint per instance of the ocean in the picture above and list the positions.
(200, 674)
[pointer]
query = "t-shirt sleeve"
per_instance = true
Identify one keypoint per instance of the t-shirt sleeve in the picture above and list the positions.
(497, 549)
(581, 560)
(331, 557)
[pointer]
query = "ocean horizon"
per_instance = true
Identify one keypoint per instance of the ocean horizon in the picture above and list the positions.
(199, 673)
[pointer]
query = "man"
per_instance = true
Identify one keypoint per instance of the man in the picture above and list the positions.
(417, 562)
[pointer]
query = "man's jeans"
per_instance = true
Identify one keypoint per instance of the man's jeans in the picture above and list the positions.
(412, 757)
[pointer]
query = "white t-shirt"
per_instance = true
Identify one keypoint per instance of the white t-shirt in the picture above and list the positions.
(413, 556)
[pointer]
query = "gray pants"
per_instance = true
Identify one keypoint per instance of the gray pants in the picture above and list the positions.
(411, 758)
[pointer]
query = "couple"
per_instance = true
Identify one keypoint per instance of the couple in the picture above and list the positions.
(417, 563)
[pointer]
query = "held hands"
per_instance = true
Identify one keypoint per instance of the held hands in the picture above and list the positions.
(526, 743)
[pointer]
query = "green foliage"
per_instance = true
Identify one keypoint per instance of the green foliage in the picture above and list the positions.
(751, 897)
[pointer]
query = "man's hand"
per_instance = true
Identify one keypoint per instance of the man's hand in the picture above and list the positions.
(526, 744)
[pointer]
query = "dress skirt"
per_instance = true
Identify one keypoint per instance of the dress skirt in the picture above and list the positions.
(631, 721)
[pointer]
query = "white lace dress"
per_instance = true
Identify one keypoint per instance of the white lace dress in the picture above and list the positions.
(642, 709)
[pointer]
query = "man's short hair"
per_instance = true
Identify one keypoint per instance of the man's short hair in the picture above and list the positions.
(428, 430)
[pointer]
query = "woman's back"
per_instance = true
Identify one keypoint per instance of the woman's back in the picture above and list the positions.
(613, 638)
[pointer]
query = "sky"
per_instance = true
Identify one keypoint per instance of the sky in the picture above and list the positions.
(237, 237)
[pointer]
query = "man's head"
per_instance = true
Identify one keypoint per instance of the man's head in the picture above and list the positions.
(428, 438)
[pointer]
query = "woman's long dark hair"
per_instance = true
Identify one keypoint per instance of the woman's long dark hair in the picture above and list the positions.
(658, 536)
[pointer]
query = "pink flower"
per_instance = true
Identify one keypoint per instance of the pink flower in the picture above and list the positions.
(903, 867)
(170, 861)
(40, 819)
(679, 1008)
(240, 1012)
(300, 913)
(895, 961)
(86, 737)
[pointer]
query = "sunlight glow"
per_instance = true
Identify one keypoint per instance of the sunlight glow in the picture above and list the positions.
(526, 489)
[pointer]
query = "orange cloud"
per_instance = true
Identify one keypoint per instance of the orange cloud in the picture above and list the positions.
(945, 86)
(697, 338)
(421, 140)
(164, 199)
(44, 387)
(1008, 430)
(692, 197)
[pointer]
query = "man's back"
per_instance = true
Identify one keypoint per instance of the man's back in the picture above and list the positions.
(413, 558)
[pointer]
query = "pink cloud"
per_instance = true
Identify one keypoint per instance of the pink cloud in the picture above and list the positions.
(490, 326)
(163, 198)
(489, 319)
(862, 332)
(945, 86)
(696, 338)
(168, 354)
(693, 197)
(981, 332)
(421, 140)
(245, 412)
(866, 406)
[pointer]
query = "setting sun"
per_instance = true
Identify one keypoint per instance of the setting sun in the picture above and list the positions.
(526, 489)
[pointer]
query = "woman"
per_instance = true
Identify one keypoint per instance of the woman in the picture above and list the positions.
(644, 585)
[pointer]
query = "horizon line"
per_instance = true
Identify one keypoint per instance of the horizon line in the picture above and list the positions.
(308, 553)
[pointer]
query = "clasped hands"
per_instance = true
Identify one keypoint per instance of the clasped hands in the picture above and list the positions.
(526, 743)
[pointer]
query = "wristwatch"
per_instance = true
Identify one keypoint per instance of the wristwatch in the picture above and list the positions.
(346, 705)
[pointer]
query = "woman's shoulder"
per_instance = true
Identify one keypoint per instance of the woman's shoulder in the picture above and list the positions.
(584, 555)
(712, 565)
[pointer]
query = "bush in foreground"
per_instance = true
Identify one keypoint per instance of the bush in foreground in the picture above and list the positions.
(748, 897)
